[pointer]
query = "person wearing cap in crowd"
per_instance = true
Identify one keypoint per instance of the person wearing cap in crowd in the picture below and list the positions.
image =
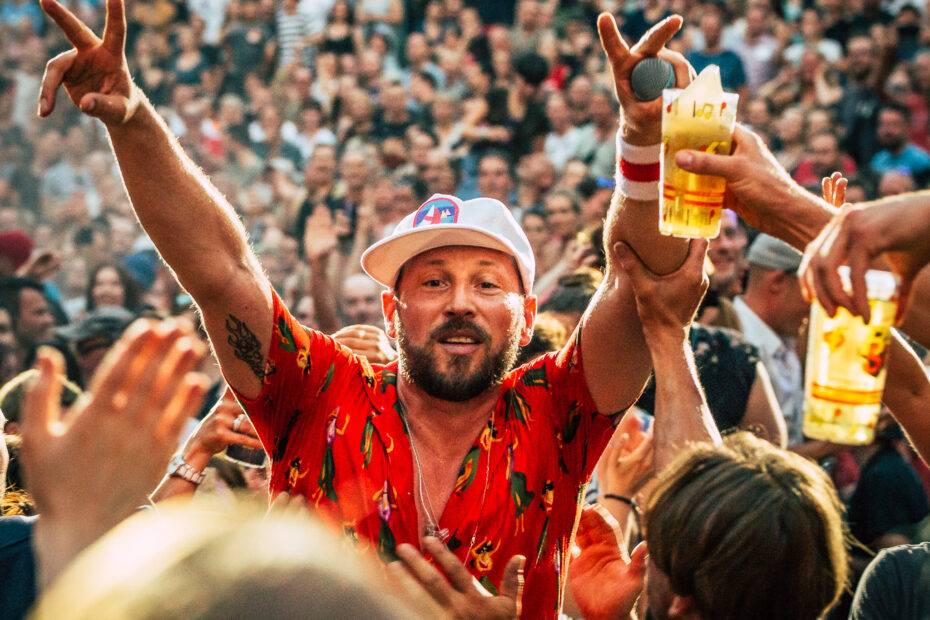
(401, 456)
(90, 339)
(771, 313)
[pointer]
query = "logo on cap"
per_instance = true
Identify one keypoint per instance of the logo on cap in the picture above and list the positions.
(439, 211)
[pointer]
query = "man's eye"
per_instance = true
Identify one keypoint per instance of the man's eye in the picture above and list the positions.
(433, 283)
(488, 285)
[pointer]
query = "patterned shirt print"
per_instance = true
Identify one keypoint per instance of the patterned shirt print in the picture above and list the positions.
(331, 423)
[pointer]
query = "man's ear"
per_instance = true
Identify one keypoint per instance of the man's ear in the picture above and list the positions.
(529, 319)
(388, 308)
(682, 607)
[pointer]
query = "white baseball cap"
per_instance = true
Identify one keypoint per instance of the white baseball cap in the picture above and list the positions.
(443, 221)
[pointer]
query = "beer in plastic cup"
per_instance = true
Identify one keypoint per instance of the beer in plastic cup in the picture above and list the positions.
(845, 373)
(701, 118)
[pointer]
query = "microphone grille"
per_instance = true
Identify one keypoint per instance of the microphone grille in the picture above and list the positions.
(650, 76)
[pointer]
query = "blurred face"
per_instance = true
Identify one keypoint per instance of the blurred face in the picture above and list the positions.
(561, 217)
(921, 67)
(894, 183)
(394, 100)
(860, 52)
(361, 301)
(755, 22)
(594, 209)
(557, 111)
(494, 178)
(6, 330)
(304, 312)
(322, 166)
(710, 28)
(35, 322)
(575, 170)
(725, 251)
(791, 125)
(536, 230)
(354, 169)
(823, 153)
(602, 112)
(417, 48)
(459, 319)
(793, 309)
(892, 129)
(108, 289)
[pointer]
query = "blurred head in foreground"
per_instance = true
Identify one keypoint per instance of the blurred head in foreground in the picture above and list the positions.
(183, 562)
(743, 530)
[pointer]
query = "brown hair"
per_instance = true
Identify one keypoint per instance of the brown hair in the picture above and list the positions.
(748, 531)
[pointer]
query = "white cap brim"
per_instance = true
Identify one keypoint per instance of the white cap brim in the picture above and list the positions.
(383, 260)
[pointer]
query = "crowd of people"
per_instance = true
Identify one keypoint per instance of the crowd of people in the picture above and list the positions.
(397, 224)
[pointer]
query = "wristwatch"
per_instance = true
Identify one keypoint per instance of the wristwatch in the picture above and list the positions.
(178, 468)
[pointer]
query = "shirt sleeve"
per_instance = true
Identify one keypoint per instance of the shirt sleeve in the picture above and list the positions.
(301, 365)
(879, 591)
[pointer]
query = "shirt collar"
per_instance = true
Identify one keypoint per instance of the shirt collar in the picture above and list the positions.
(756, 330)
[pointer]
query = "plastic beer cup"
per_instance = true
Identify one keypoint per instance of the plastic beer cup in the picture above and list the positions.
(691, 203)
(845, 373)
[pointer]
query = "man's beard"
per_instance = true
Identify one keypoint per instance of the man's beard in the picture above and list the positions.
(419, 365)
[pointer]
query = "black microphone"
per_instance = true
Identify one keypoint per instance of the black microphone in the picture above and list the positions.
(650, 76)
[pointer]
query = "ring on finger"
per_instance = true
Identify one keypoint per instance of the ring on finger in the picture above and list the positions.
(238, 422)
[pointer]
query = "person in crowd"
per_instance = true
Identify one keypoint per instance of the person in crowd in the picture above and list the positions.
(459, 313)
(30, 316)
(897, 152)
(111, 286)
(771, 312)
(91, 338)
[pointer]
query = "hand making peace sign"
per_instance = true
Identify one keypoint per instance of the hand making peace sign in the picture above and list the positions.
(95, 73)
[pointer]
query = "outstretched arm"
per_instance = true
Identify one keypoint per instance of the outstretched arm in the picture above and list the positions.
(611, 324)
(194, 228)
(666, 305)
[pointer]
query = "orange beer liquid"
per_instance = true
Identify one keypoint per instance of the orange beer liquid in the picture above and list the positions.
(691, 203)
(845, 373)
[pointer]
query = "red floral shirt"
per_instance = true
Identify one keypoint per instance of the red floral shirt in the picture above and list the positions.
(331, 423)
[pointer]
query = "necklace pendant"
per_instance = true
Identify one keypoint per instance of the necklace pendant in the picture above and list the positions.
(433, 529)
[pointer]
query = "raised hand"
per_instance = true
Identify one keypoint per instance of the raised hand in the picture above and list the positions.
(833, 189)
(626, 464)
(898, 229)
(641, 121)
(604, 584)
(91, 468)
(95, 73)
(368, 341)
(456, 592)
(320, 235)
(218, 430)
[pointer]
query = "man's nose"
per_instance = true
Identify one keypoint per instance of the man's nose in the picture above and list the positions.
(461, 300)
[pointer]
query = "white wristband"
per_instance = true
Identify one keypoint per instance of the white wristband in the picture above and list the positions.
(638, 170)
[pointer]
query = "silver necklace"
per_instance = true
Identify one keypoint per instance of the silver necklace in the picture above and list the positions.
(432, 525)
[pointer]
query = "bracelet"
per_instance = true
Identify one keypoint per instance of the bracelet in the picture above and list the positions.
(638, 170)
(620, 498)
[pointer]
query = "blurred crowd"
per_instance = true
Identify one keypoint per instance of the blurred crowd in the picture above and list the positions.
(325, 122)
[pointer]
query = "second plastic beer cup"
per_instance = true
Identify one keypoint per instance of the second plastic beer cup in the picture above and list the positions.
(845, 373)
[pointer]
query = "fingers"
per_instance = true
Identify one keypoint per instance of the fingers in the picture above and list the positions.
(111, 109)
(77, 33)
(593, 527)
(188, 399)
(114, 33)
(638, 559)
(42, 405)
(708, 163)
(144, 381)
(460, 578)
(657, 36)
(512, 581)
(55, 71)
(426, 574)
(614, 46)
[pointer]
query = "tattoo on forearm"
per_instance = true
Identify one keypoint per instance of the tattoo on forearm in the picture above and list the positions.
(245, 345)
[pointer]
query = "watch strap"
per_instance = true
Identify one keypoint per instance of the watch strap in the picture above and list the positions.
(179, 468)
